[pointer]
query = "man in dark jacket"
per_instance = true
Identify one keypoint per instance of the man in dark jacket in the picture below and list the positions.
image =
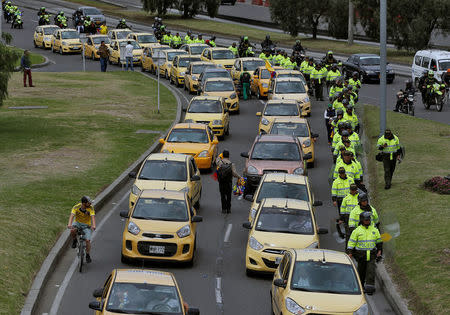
(25, 64)
(225, 173)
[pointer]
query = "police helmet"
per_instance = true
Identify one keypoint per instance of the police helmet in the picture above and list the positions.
(345, 133)
(364, 216)
(355, 74)
(431, 73)
(345, 101)
(339, 112)
(363, 197)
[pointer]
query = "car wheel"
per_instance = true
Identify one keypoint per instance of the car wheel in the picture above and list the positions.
(124, 259)
(60, 50)
(171, 80)
(190, 263)
(227, 131)
(258, 94)
(439, 105)
(35, 45)
(93, 56)
(311, 164)
(118, 61)
(167, 75)
(249, 273)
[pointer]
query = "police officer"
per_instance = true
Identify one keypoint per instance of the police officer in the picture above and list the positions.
(349, 202)
(362, 206)
(318, 76)
(234, 48)
(298, 47)
(365, 246)
(389, 146)
(225, 173)
(340, 188)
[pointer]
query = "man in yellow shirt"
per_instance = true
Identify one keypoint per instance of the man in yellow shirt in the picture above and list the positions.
(84, 216)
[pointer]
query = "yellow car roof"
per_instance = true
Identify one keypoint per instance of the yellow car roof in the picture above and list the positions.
(285, 101)
(167, 194)
(320, 254)
(174, 50)
(68, 30)
(140, 33)
(190, 126)
(120, 30)
(124, 40)
(289, 79)
(218, 79)
(274, 67)
(96, 36)
(168, 157)
(249, 58)
(144, 276)
(197, 44)
(208, 97)
(284, 71)
(283, 177)
(291, 120)
(196, 63)
(217, 48)
(48, 26)
(285, 203)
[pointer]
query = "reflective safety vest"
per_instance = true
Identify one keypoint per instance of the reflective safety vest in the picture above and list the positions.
(263, 56)
(392, 145)
(340, 144)
(234, 50)
(353, 119)
(303, 65)
(87, 23)
(341, 187)
(353, 220)
(355, 83)
(187, 39)
(165, 39)
(212, 43)
(351, 169)
(319, 75)
(335, 124)
(176, 40)
(199, 41)
(335, 89)
(364, 239)
(338, 105)
(348, 203)
(308, 69)
(279, 59)
(332, 75)
(289, 65)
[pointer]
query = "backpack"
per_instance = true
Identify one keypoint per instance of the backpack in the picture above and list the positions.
(225, 172)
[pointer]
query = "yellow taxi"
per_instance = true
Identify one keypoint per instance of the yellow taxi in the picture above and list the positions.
(286, 73)
(144, 39)
(277, 109)
(66, 41)
(150, 55)
(259, 85)
(298, 127)
(193, 139)
(43, 36)
(194, 49)
(223, 87)
(119, 33)
(167, 58)
(193, 73)
(246, 64)
(219, 56)
(178, 69)
(280, 224)
(317, 281)
(93, 43)
(118, 45)
(160, 226)
(210, 110)
(140, 291)
(168, 171)
(290, 89)
(282, 185)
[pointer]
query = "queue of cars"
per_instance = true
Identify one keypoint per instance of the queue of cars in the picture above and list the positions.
(161, 222)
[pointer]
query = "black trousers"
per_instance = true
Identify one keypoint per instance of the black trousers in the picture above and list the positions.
(318, 89)
(389, 167)
(225, 189)
(366, 269)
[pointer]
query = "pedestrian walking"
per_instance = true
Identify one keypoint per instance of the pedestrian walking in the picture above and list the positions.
(103, 51)
(245, 83)
(348, 203)
(225, 173)
(340, 188)
(129, 56)
(25, 64)
(365, 246)
(329, 115)
(389, 146)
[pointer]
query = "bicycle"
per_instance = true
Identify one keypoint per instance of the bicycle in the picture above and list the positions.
(81, 253)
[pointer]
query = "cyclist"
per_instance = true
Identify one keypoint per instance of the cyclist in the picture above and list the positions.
(84, 215)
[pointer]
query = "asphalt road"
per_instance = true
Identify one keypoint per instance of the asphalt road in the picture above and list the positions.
(217, 283)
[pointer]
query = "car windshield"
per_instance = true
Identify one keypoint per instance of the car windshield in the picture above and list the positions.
(292, 75)
(164, 170)
(285, 220)
(444, 65)
(265, 74)
(171, 55)
(188, 135)
(216, 74)
(133, 43)
(370, 61)
(251, 65)
(50, 30)
(277, 151)
(290, 129)
(281, 110)
(205, 106)
(290, 87)
(122, 34)
(98, 40)
(143, 298)
(160, 209)
(92, 11)
(223, 54)
(184, 62)
(197, 50)
(70, 35)
(147, 39)
(283, 190)
(219, 86)
(197, 69)
(317, 276)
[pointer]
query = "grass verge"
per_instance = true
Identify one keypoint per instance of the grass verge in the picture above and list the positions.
(419, 259)
(50, 157)
(255, 35)
(34, 58)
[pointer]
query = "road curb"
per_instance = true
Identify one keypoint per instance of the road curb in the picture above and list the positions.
(62, 243)
(41, 65)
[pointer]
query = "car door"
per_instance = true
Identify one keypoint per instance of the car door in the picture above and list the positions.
(195, 185)
(235, 71)
(174, 68)
(88, 47)
(58, 40)
(281, 273)
(255, 81)
(204, 55)
(106, 289)
(213, 147)
(417, 68)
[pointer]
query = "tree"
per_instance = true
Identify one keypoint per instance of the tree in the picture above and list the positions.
(337, 23)
(297, 15)
(8, 59)
(212, 7)
(158, 6)
(189, 8)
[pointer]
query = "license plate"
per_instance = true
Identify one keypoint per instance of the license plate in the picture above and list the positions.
(156, 249)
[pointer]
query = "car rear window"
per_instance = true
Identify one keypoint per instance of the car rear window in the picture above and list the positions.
(283, 190)
(276, 151)
(290, 129)
(281, 110)
(164, 170)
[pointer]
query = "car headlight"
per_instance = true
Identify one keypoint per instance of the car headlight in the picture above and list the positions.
(363, 310)
(191, 121)
(135, 190)
(306, 143)
(204, 153)
(233, 96)
(64, 43)
(182, 73)
(217, 122)
(306, 100)
(313, 245)
(265, 85)
(299, 171)
(133, 228)
(165, 151)
(184, 231)
(252, 213)
(264, 121)
(293, 307)
(252, 170)
(253, 243)
(194, 77)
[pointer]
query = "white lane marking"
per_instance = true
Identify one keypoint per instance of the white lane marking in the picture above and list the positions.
(34, 21)
(226, 238)
(262, 102)
(65, 283)
(219, 290)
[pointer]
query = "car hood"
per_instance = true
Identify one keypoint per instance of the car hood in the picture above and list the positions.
(185, 148)
(225, 94)
(203, 116)
(283, 240)
(262, 165)
(299, 96)
(160, 184)
(158, 226)
(374, 67)
(72, 41)
(326, 302)
(225, 62)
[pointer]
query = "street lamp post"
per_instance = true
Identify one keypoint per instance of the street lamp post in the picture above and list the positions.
(350, 22)
(382, 66)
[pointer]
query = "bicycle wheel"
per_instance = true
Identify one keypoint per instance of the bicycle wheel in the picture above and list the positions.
(81, 254)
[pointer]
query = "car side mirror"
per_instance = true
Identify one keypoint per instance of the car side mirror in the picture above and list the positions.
(98, 292)
(132, 174)
(369, 289)
(314, 135)
(258, 113)
(196, 218)
(270, 91)
(124, 214)
(162, 141)
(226, 110)
(322, 231)
(317, 203)
(249, 197)
(195, 178)
(193, 311)
(307, 156)
(279, 283)
(184, 109)
(247, 225)
(215, 141)
(244, 154)
(97, 306)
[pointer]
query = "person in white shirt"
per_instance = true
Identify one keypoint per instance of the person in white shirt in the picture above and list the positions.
(129, 56)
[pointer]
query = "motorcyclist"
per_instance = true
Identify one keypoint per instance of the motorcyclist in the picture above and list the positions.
(89, 26)
(234, 48)
(122, 24)
(41, 11)
(298, 47)
(17, 20)
(329, 60)
(266, 43)
(212, 41)
(245, 48)
(409, 89)
(427, 87)
(446, 77)
(44, 19)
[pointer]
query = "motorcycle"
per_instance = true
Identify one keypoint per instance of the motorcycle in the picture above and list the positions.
(44, 19)
(406, 102)
(17, 21)
(436, 95)
(271, 48)
(61, 22)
